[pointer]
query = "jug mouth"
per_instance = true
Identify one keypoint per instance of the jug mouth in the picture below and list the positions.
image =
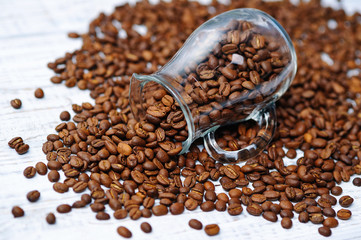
(137, 84)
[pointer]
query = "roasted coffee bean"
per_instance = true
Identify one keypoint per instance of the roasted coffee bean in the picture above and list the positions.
(286, 222)
(39, 93)
(15, 103)
(159, 210)
(124, 232)
(102, 216)
(29, 172)
(22, 148)
(356, 182)
(86, 198)
(330, 222)
(79, 204)
(195, 224)
(63, 208)
(135, 213)
(17, 211)
(177, 208)
(41, 168)
(64, 116)
(15, 141)
(344, 214)
(254, 209)
(120, 214)
(53, 176)
(97, 207)
(235, 209)
(316, 218)
(50, 218)
(211, 229)
(60, 187)
(303, 217)
(345, 201)
(325, 231)
(33, 196)
(146, 227)
(270, 216)
(337, 191)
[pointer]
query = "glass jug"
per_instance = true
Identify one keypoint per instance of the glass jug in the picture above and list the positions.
(232, 68)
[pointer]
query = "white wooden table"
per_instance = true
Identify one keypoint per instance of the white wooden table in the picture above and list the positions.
(33, 33)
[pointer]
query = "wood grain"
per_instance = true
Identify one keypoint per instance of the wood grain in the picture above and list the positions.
(33, 33)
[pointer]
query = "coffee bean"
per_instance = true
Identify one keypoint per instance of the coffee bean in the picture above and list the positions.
(303, 217)
(325, 231)
(22, 148)
(208, 206)
(15, 141)
(102, 216)
(221, 205)
(53, 176)
(345, 201)
(286, 223)
(254, 209)
(211, 229)
(29, 172)
(63, 208)
(41, 168)
(135, 213)
(39, 93)
(146, 227)
(330, 222)
(124, 232)
(159, 210)
(356, 182)
(64, 116)
(344, 214)
(17, 211)
(124, 149)
(15, 103)
(176, 208)
(79, 186)
(270, 216)
(79, 204)
(33, 196)
(120, 214)
(50, 218)
(97, 207)
(60, 187)
(195, 224)
(235, 209)
(316, 218)
(337, 191)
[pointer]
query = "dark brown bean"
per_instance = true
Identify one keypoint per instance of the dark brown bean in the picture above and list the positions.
(39, 93)
(211, 229)
(29, 172)
(325, 231)
(50, 218)
(15, 103)
(17, 211)
(33, 196)
(124, 232)
(195, 224)
(286, 223)
(63, 208)
(146, 227)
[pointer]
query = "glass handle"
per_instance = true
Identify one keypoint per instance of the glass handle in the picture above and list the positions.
(267, 122)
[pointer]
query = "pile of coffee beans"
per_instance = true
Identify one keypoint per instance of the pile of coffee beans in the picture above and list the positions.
(134, 167)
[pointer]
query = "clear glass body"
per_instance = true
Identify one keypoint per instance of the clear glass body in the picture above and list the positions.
(232, 68)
